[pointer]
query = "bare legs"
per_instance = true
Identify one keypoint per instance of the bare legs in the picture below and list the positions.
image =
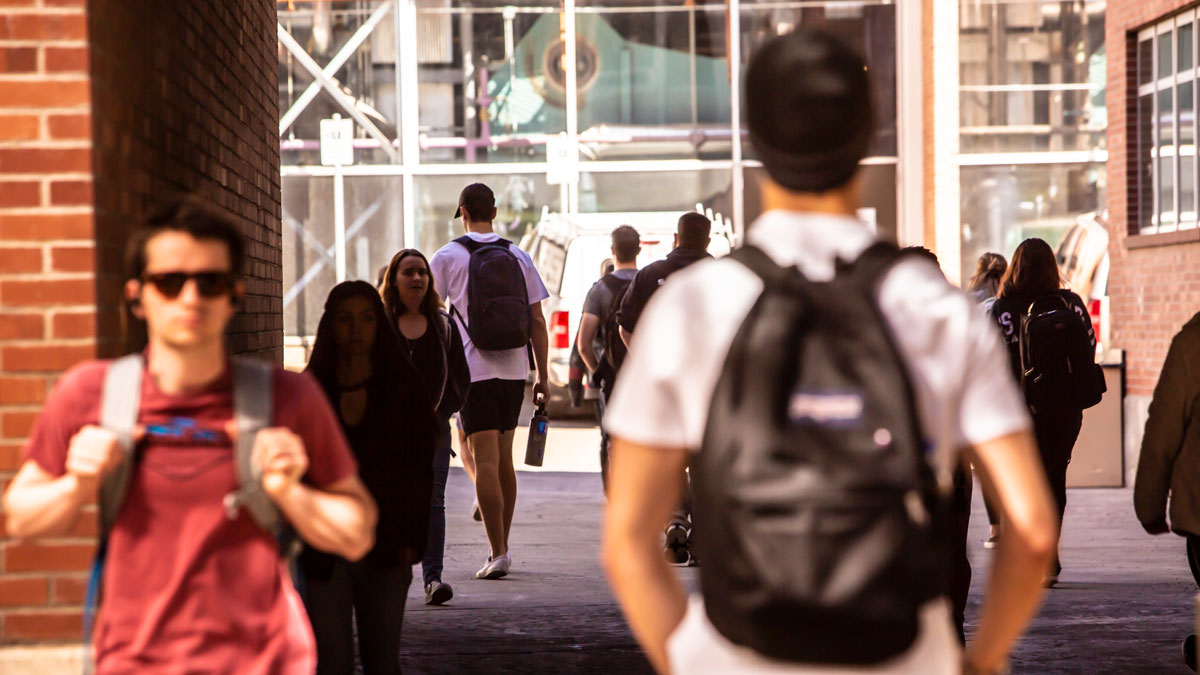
(495, 484)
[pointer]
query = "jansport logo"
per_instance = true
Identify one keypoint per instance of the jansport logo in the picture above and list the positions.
(183, 431)
(833, 408)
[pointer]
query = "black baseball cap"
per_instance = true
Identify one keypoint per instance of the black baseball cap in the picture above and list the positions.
(809, 110)
(479, 200)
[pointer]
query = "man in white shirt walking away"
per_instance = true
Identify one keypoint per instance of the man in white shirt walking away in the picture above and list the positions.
(821, 385)
(496, 296)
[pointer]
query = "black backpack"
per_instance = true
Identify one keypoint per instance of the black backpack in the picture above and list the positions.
(457, 380)
(614, 346)
(498, 312)
(1058, 364)
(815, 512)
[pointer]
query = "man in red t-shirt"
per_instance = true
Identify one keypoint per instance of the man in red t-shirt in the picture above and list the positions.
(186, 587)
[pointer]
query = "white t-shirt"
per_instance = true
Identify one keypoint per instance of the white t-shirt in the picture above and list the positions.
(449, 266)
(957, 364)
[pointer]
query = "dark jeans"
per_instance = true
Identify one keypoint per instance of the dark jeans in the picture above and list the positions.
(371, 597)
(960, 564)
(1056, 435)
(601, 405)
(431, 565)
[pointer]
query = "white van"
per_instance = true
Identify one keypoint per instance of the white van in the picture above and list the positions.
(570, 252)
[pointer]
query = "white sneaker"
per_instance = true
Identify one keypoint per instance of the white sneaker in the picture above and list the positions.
(495, 568)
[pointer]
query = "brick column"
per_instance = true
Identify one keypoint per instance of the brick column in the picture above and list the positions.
(108, 108)
(47, 284)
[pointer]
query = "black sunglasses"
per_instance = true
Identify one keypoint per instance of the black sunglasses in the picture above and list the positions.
(209, 284)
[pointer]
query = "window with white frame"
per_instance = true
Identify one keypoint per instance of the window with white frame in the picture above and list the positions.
(1166, 126)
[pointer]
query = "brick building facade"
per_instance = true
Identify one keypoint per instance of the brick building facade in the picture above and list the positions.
(1154, 284)
(107, 108)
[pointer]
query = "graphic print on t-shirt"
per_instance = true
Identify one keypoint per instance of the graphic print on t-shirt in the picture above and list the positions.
(185, 431)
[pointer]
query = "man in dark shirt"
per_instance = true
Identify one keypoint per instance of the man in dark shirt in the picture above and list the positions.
(596, 323)
(691, 245)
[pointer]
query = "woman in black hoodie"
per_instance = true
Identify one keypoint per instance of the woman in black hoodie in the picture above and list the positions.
(390, 425)
(1033, 276)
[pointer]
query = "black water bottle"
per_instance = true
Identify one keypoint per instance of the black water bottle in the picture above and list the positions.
(535, 450)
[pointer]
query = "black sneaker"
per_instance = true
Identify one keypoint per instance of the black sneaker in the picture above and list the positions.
(1189, 652)
(677, 536)
(437, 593)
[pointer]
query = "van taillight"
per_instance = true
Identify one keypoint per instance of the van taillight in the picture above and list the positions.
(560, 330)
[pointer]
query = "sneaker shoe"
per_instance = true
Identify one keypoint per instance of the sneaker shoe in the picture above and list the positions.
(1189, 652)
(677, 535)
(676, 556)
(476, 515)
(495, 568)
(992, 541)
(437, 593)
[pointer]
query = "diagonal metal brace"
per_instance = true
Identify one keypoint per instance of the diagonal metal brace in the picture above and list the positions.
(339, 59)
(344, 100)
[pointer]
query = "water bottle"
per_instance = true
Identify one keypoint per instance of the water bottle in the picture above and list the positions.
(535, 450)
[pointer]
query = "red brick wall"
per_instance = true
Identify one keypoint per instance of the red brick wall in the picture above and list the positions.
(107, 108)
(47, 303)
(1153, 290)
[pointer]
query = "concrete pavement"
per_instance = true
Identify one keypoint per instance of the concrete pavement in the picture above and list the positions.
(1124, 603)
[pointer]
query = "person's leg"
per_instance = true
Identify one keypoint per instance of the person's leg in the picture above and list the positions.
(329, 602)
(379, 595)
(601, 404)
(508, 482)
(486, 447)
(960, 573)
(468, 457)
(431, 565)
(1056, 439)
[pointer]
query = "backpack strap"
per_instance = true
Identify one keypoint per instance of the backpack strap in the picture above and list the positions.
(773, 275)
(252, 408)
(471, 245)
(873, 263)
(120, 401)
(119, 404)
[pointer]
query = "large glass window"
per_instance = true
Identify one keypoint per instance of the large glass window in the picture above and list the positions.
(1032, 120)
(1165, 148)
(443, 93)
(1032, 76)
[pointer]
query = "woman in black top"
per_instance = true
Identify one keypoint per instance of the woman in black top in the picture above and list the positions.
(435, 347)
(389, 423)
(1033, 275)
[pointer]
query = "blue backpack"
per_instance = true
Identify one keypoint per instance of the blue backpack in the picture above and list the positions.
(498, 312)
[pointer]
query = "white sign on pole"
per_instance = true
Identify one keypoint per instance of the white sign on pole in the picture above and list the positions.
(337, 141)
(562, 160)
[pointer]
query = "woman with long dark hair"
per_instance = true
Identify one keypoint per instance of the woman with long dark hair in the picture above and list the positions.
(389, 422)
(1033, 275)
(983, 288)
(435, 347)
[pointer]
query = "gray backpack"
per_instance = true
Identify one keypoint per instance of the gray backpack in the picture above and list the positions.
(120, 403)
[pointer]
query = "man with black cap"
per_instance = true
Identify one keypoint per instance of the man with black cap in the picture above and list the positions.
(784, 586)
(496, 295)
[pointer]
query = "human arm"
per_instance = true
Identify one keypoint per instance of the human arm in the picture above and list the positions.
(629, 310)
(339, 518)
(643, 491)
(585, 341)
(1013, 478)
(541, 347)
(1168, 418)
(40, 504)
